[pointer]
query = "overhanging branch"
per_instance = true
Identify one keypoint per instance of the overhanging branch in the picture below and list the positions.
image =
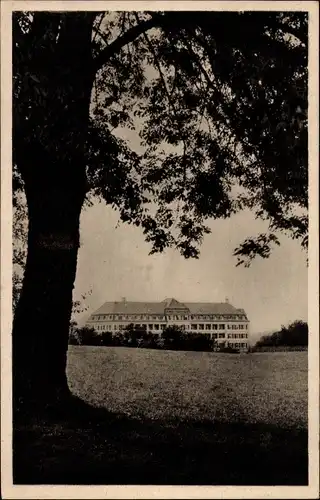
(129, 36)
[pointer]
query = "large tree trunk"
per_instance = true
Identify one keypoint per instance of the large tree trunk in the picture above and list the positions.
(49, 147)
(41, 323)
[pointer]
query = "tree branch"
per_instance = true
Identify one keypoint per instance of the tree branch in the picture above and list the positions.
(129, 36)
(157, 63)
(97, 29)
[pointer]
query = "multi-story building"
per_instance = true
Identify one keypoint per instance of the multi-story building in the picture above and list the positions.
(220, 321)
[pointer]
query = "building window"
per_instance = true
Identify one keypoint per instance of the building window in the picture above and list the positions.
(150, 327)
(208, 327)
(222, 326)
(156, 327)
(162, 327)
(201, 327)
(221, 335)
(214, 335)
(229, 335)
(214, 327)
(194, 327)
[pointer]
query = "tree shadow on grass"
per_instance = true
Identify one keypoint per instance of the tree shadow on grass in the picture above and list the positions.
(83, 445)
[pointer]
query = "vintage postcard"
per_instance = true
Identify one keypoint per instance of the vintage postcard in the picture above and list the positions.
(159, 249)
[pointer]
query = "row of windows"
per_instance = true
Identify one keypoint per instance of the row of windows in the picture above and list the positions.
(176, 317)
(156, 327)
(127, 317)
(221, 326)
(122, 327)
(161, 327)
(193, 326)
(237, 345)
(208, 326)
(105, 327)
(237, 335)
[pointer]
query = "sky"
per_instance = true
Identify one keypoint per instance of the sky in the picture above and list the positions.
(114, 262)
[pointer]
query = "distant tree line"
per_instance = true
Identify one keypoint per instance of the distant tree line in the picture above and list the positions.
(173, 338)
(293, 335)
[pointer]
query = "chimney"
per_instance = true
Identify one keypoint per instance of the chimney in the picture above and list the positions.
(227, 300)
(124, 300)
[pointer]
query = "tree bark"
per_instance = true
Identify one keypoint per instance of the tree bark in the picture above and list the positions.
(41, 322)
(50, 124)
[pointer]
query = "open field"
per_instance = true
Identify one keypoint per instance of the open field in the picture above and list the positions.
(258, 388)
(169, 417)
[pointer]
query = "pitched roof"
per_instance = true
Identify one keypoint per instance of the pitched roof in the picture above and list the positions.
(211, 308)
(127, 307)
(174, 304)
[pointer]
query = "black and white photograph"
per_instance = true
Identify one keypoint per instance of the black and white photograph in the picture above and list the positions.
(159, 320)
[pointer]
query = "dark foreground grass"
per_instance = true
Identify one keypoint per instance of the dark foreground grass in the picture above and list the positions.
(89, 445)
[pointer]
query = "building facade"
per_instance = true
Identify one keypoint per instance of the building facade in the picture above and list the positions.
(220, 321)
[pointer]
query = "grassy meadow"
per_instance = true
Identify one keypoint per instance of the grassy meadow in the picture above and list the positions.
(168, 417)
(258, 388)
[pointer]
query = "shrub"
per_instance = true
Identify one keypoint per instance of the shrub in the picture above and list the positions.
(198, 342)
(74, 338)
(106, 339)
(173, 338)
(118, 339)
(295, 334)
(229, 349)
(88, 336)
(148, 341)
(133, 335)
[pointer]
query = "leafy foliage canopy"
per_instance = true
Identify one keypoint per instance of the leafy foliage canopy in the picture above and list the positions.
(218, 99)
